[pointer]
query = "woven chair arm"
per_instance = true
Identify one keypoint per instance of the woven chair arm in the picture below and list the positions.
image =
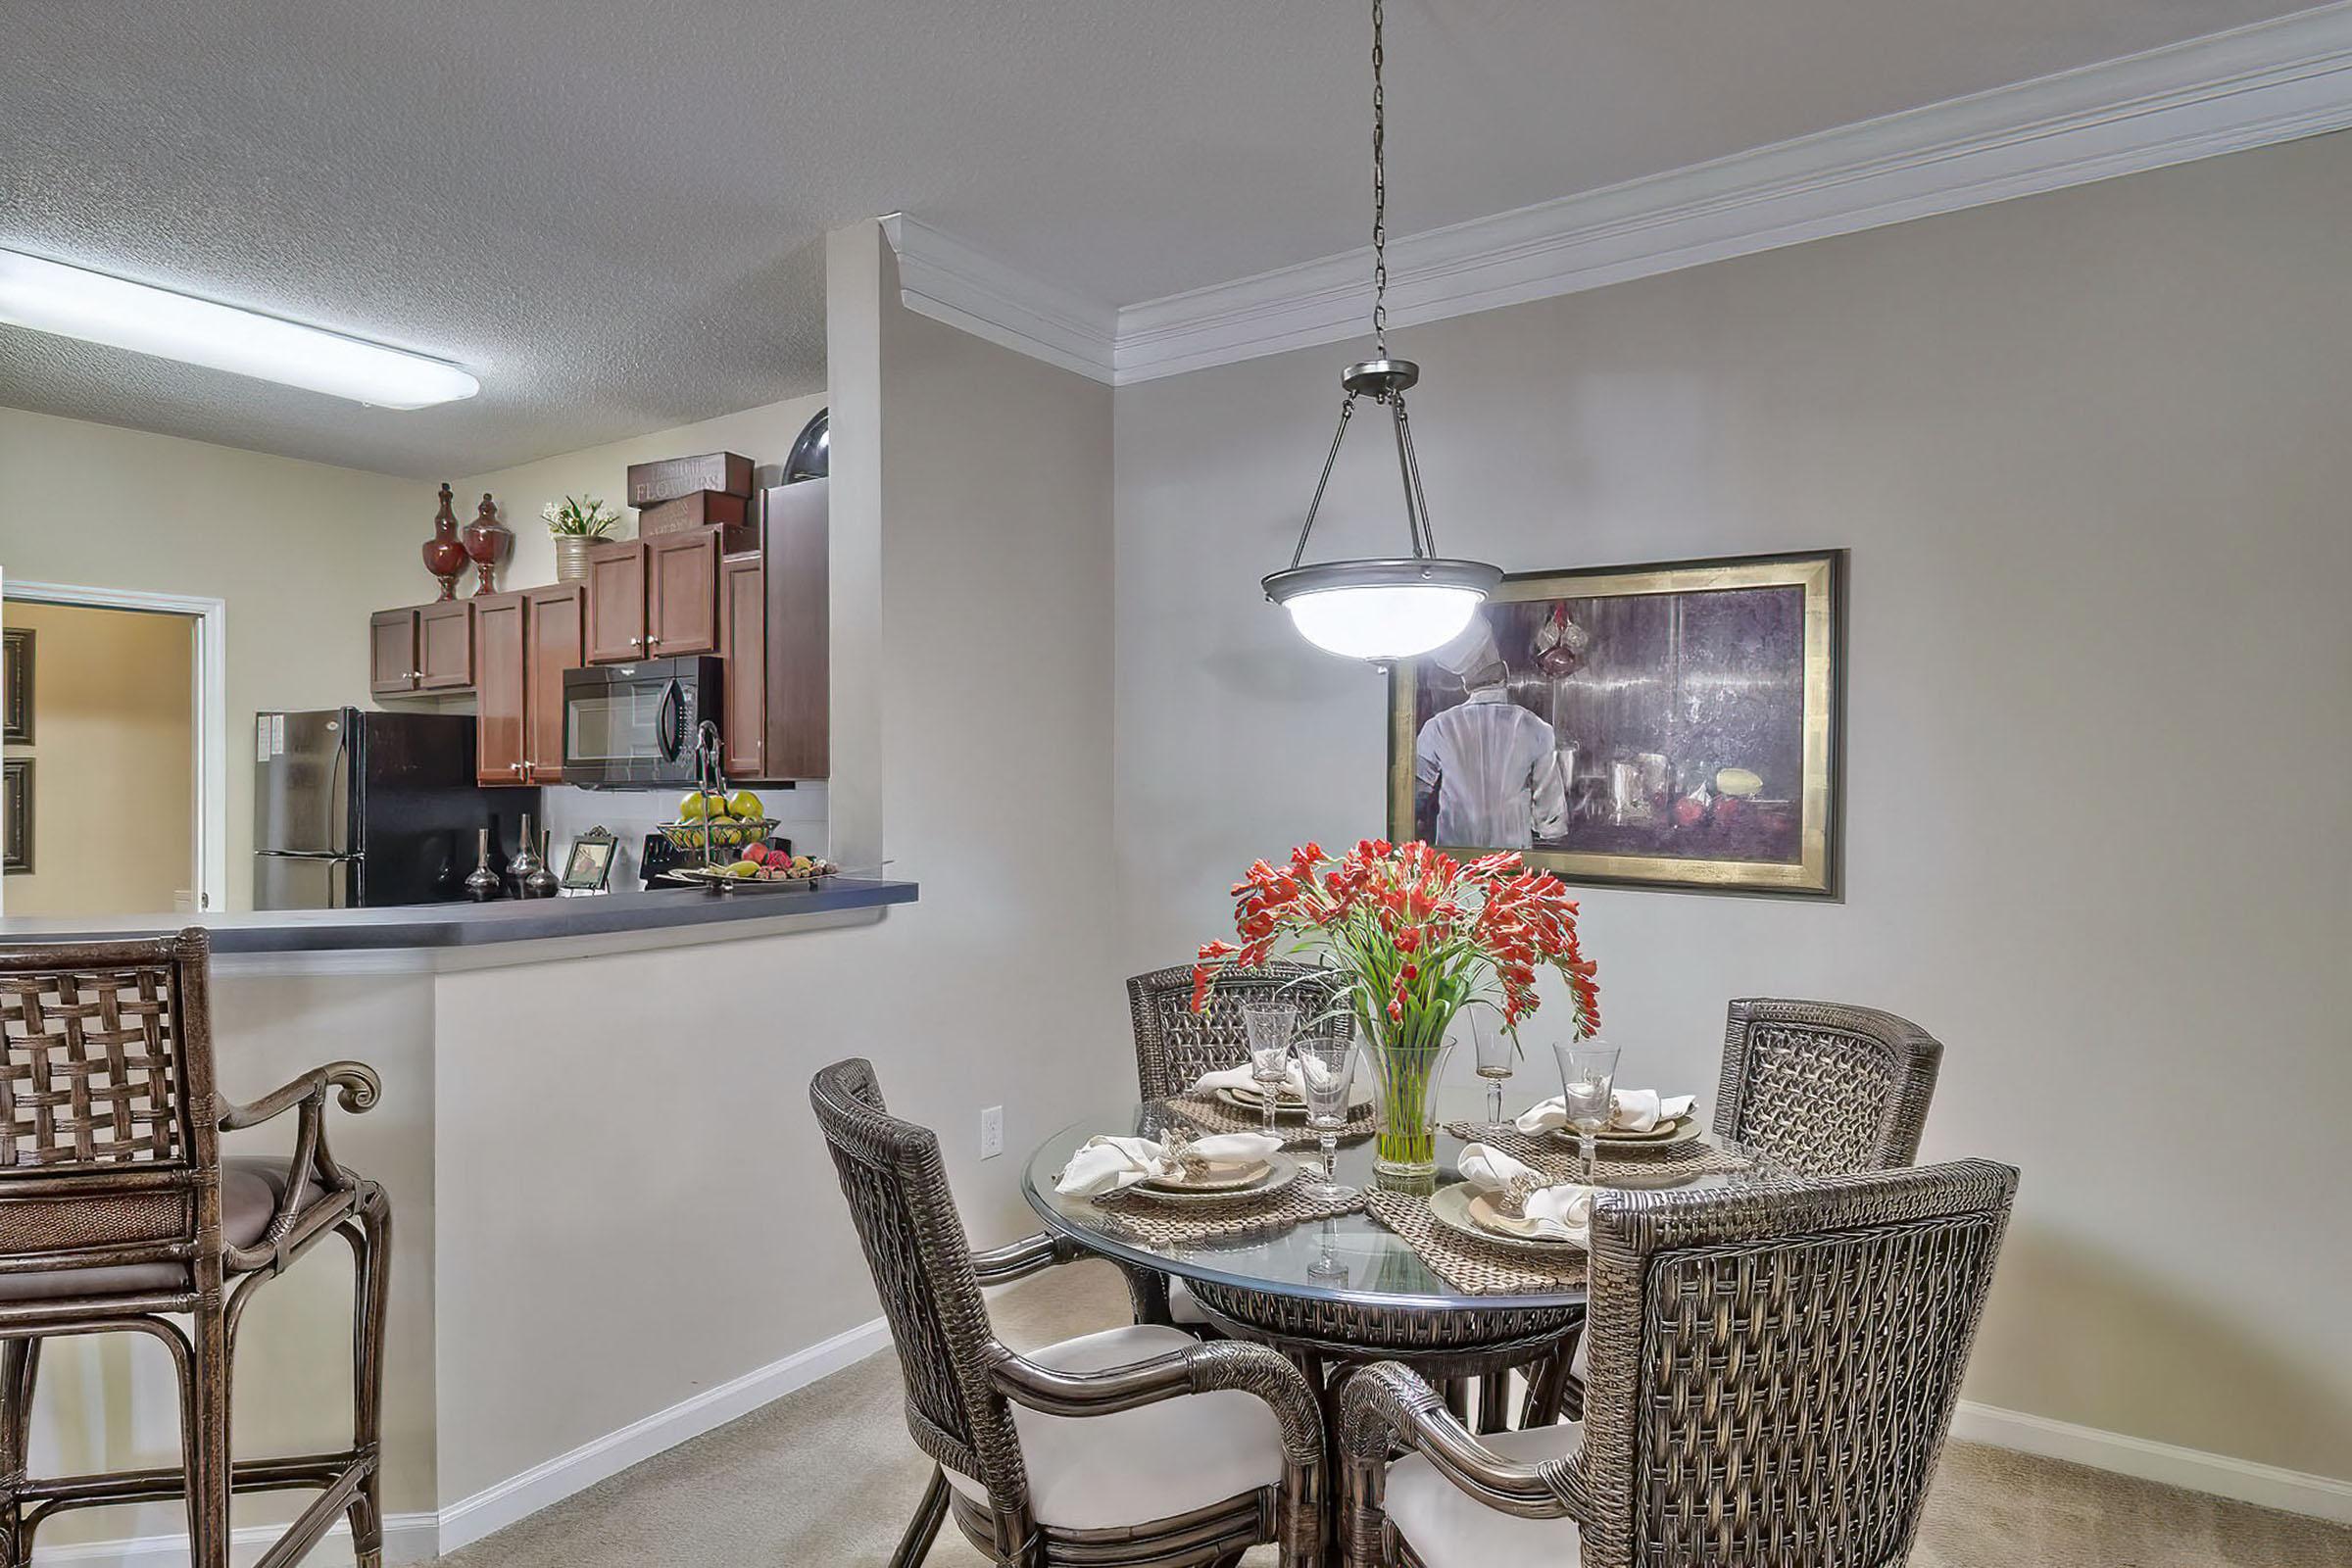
(360, 1090)
(1389, 1401)
(1254, 1369)
(1018, 1260)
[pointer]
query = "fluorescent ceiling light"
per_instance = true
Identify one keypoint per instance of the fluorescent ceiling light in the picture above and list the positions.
(71, 302)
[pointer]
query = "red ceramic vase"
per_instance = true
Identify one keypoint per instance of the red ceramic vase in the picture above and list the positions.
(444, 556)
(486, 539)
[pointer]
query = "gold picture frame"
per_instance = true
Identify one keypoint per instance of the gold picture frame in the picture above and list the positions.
(1695, 725)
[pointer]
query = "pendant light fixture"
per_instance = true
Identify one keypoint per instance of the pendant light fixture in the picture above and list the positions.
(1394, 606)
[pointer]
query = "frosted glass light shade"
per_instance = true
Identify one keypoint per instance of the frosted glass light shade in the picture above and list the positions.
(72, 302)
(1383, 610)
(1383, 623)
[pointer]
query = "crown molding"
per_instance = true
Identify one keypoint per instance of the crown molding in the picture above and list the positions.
(949, 280)
(2250, 87)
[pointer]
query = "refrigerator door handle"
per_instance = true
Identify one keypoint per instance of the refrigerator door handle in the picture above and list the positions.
(310, 855)
(338, 803)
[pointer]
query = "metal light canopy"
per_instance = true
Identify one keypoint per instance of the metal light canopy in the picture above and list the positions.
(1395, 606)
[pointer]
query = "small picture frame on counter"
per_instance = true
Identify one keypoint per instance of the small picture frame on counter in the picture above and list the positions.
(590, 863)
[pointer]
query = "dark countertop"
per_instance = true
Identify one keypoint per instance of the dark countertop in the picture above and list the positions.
(467, 925)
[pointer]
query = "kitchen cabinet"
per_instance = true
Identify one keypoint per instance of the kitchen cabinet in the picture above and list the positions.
(617, 601)
(523, 643)
(654, 598)
(445, 646)
(392, 667)
(743, 645)
(555, 642)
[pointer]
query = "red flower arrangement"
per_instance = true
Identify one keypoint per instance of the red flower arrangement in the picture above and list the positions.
(1421, 935)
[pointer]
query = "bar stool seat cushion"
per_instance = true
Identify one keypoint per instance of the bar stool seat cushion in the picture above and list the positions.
(250, 1187)
(1151, 1462)
(1447, 1528)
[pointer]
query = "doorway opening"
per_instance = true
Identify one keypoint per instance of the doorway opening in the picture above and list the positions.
(111, 806)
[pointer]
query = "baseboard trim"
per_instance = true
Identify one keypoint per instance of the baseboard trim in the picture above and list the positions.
(409, 1538)
(518, 1497)
(2266, 1486)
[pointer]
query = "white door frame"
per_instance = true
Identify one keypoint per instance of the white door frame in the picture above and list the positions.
(210, 698)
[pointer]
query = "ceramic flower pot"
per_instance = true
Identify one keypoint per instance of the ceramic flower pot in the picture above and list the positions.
(572, 557)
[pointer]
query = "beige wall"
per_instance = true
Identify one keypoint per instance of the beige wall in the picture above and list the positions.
(682, 1225)
(2088, 451)
(300, 551)
(113, 777)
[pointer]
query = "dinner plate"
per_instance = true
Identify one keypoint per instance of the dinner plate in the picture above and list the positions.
(1680, 1130)
(1459, 1208)
(1286, 1105)
(1281, 1170)
(1217, 1179)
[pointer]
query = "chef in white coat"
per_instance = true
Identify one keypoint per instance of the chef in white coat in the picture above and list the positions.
(1492, 767)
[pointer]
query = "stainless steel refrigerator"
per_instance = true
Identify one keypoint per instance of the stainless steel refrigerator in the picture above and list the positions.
(358, 809)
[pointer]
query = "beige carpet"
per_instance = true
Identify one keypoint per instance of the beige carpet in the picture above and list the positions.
(827, 1477)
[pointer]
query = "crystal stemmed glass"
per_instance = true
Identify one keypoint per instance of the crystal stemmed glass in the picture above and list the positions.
(1587, 1070)
(1328, 1063)
(1269, 1026)
(1497, 1051)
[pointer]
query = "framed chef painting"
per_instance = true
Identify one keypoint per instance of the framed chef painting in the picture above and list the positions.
(1677, 725)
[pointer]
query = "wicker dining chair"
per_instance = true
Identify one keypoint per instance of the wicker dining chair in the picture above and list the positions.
(1774, 1369)
(1174, 1044)
(1825, 1088)
(118, 1213)
(1138, 1445)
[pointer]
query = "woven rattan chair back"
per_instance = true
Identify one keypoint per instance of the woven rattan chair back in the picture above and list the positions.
(1174, 1044)
(896, 1187)
(108, 1150)
(1774, 1367)
(1825, 1088)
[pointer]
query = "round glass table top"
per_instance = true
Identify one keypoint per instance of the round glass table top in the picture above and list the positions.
(1352, 1258)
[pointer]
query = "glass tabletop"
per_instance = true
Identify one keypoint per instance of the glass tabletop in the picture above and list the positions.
(1352, 1258)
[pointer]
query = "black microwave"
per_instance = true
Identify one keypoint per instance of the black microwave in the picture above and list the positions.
(634, 724)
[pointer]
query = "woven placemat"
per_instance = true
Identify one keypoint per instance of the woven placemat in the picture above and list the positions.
(1466, 1264)
(1558, 1159)
(1213, 1115)
(1146, 1219)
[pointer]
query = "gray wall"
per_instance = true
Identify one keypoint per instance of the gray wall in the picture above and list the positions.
(2089, 450)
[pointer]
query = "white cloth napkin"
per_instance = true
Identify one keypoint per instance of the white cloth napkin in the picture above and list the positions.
(1293, 1082)
(1105, 1164)
(1636, 1110)
(1562, 1212)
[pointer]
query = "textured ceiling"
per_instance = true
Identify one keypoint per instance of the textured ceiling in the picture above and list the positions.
(610, 209)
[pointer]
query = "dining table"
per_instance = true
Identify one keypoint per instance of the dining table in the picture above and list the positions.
(1334, 1287)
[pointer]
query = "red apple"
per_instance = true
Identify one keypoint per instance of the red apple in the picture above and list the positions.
(1726, 809)
(1690, 810)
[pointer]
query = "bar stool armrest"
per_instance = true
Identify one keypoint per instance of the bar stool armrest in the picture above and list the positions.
(1018, 1260)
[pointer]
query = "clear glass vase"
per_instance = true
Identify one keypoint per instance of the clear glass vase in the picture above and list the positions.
(1407, 1069)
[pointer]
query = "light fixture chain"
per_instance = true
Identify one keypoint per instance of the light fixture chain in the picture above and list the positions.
(1380, 194)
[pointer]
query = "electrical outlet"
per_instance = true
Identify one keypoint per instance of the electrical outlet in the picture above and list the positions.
(991, 1131)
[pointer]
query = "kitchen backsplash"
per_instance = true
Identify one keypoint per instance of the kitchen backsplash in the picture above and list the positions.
(630, 815)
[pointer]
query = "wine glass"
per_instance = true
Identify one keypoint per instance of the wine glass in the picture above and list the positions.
(1269, 1026)
(1496, 1050)
(1587, 1072)
(1328, 1061)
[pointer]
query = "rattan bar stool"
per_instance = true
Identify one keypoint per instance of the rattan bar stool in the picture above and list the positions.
(1174, 1046)
(1139, 1445)
(1773, 1369)
(118, 1213)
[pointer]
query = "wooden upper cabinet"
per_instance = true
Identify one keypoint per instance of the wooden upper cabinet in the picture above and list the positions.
(681, 593)
(799, 686)
(743, 685)
(616, 597)
(501, 627)
(555, 642)
(445, 646)
(392, 667)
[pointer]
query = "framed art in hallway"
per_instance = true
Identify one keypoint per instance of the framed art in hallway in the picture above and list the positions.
(1671, 725)
(15, 687)
(15, 816)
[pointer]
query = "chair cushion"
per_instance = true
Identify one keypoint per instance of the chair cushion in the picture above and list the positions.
(1151, 1462)
(1450, 1529)
(250, 1187)
(1182, 1308)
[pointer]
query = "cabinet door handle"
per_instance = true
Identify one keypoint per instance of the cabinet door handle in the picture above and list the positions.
(515, 768)
(636, 642)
